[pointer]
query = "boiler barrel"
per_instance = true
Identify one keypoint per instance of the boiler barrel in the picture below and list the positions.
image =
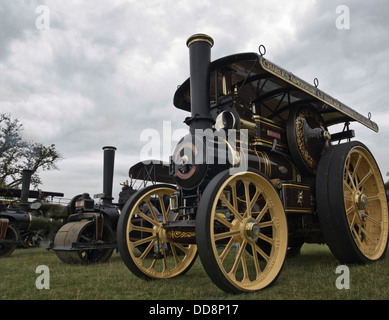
(273, 165)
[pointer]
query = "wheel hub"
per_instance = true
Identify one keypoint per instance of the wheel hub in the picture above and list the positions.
(252, 230)
(361, 201)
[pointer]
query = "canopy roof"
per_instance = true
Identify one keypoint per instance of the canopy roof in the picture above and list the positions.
(34, 194)
(273, 90)
(151, 171)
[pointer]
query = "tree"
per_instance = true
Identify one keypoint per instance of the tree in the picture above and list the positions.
(17, 154)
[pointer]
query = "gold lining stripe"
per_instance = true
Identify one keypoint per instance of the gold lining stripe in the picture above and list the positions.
(199, 37)
(268, 142)
(298, 210)
(296, 186)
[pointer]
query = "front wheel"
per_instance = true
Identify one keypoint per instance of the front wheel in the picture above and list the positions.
(142, 239)
(241, 231)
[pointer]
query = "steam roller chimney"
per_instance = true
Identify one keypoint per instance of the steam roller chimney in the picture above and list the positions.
(26, 181)
(109, 161)
(199, 61)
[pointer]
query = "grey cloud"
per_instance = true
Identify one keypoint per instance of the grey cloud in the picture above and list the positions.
(105, 71)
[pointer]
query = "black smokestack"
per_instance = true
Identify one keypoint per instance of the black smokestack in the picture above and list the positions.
(26, 181)
(199, 60)
(109, 160)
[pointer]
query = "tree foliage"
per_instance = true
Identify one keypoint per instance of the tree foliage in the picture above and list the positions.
(17, 154)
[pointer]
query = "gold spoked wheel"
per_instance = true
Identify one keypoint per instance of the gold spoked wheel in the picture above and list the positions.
(142, 240)
(241, 231)
(365, 203)
(356, 204)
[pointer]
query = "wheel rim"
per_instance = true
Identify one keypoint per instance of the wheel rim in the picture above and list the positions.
(365, 203)
(149, 248)
(258, 228)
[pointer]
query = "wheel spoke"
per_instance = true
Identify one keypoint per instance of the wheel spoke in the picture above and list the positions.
(175, 256)
(373, 198)
(266, 238)
(367, 176)
(255, 258)
(146, 252)
(375, 221)
(352, 223)
(234, 195)
(247, 197)
(147, 218)
(262, 213)
(254, 200)
(349, 210)
(227, 234)
(357, 165)
(261, 253)
(164, 212)
(234, 211)
(242, 249)
(348, 187)
(353, 186)
(181, 247)
(223, 221)
(266, 224)
(151, 209)
(140, 228)
(142, 241)
(367, 234)
(226, 250)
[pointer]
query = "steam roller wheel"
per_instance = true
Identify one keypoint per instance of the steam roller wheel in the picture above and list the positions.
(241, 231)
(351, 203)
(83, 233)
(7, 249)
(142, 241)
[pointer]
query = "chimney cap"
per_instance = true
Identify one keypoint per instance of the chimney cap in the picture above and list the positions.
(109, 148)
(199, 37)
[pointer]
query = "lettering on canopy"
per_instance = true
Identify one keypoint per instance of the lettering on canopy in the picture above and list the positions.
(306, 87)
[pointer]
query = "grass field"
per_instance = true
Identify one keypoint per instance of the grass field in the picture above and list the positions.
(308, 276)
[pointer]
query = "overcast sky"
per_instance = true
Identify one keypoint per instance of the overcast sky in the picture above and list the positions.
(86, 74)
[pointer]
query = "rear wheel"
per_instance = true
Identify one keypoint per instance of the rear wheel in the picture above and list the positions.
(352, 204)
(241, 231)
(6, 249)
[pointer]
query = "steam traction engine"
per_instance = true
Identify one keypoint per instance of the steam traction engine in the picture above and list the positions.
(258, 175)
(28, 224)
(89, 236)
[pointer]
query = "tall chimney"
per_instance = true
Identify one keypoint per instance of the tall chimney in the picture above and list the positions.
(109, 160)
(26, 180)
(199, 60)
